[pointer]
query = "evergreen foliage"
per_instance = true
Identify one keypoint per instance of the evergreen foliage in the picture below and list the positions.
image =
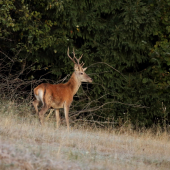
(124, 43)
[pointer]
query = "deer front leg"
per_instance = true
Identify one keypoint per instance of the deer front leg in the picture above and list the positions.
(57, 114)
(41, 114)
(66, 111)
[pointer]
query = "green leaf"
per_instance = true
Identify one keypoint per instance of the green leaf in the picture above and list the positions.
(145, 80)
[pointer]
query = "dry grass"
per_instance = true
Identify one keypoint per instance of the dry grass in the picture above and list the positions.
(24, 144)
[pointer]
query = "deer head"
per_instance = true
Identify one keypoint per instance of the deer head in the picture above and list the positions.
(78, 68)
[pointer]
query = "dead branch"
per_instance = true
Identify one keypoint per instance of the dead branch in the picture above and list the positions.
(108, 66)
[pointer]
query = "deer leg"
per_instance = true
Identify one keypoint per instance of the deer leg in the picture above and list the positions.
(35, 104)
(66, 111)
(41, 114)
(51, 111)
(57, 114)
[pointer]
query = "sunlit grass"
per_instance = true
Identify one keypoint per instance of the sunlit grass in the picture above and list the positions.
(24, 144)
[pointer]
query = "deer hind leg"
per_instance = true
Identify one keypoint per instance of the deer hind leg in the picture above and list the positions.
(48, 116)
(57, 114)
(66, 111)
(35, 104)
(42, 112)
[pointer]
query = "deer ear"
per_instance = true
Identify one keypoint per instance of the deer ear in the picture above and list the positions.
(76, 68)
(84, 69)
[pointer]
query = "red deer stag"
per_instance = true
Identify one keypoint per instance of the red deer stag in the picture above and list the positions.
(58, 96)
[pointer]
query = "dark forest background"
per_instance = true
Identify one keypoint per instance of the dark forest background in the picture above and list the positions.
(125, 45)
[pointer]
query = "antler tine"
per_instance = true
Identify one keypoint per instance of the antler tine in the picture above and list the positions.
(75, 57)
(74, 53)
(80, 57)
(70, 57)
(78, 60)
(82, 64)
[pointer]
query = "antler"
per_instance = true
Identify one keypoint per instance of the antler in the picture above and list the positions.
(76, 57)
(70, 57)
(78, 60)
(82, 64)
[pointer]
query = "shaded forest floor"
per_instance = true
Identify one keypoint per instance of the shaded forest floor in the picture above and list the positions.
(24, 144)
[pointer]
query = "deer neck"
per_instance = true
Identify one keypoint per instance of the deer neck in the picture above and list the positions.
(74, 83)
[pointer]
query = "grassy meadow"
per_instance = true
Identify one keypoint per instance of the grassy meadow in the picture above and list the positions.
(24, 144)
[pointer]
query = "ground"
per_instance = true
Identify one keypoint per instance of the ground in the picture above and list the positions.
(24, 144)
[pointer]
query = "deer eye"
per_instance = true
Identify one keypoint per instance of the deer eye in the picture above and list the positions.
(81, 73)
